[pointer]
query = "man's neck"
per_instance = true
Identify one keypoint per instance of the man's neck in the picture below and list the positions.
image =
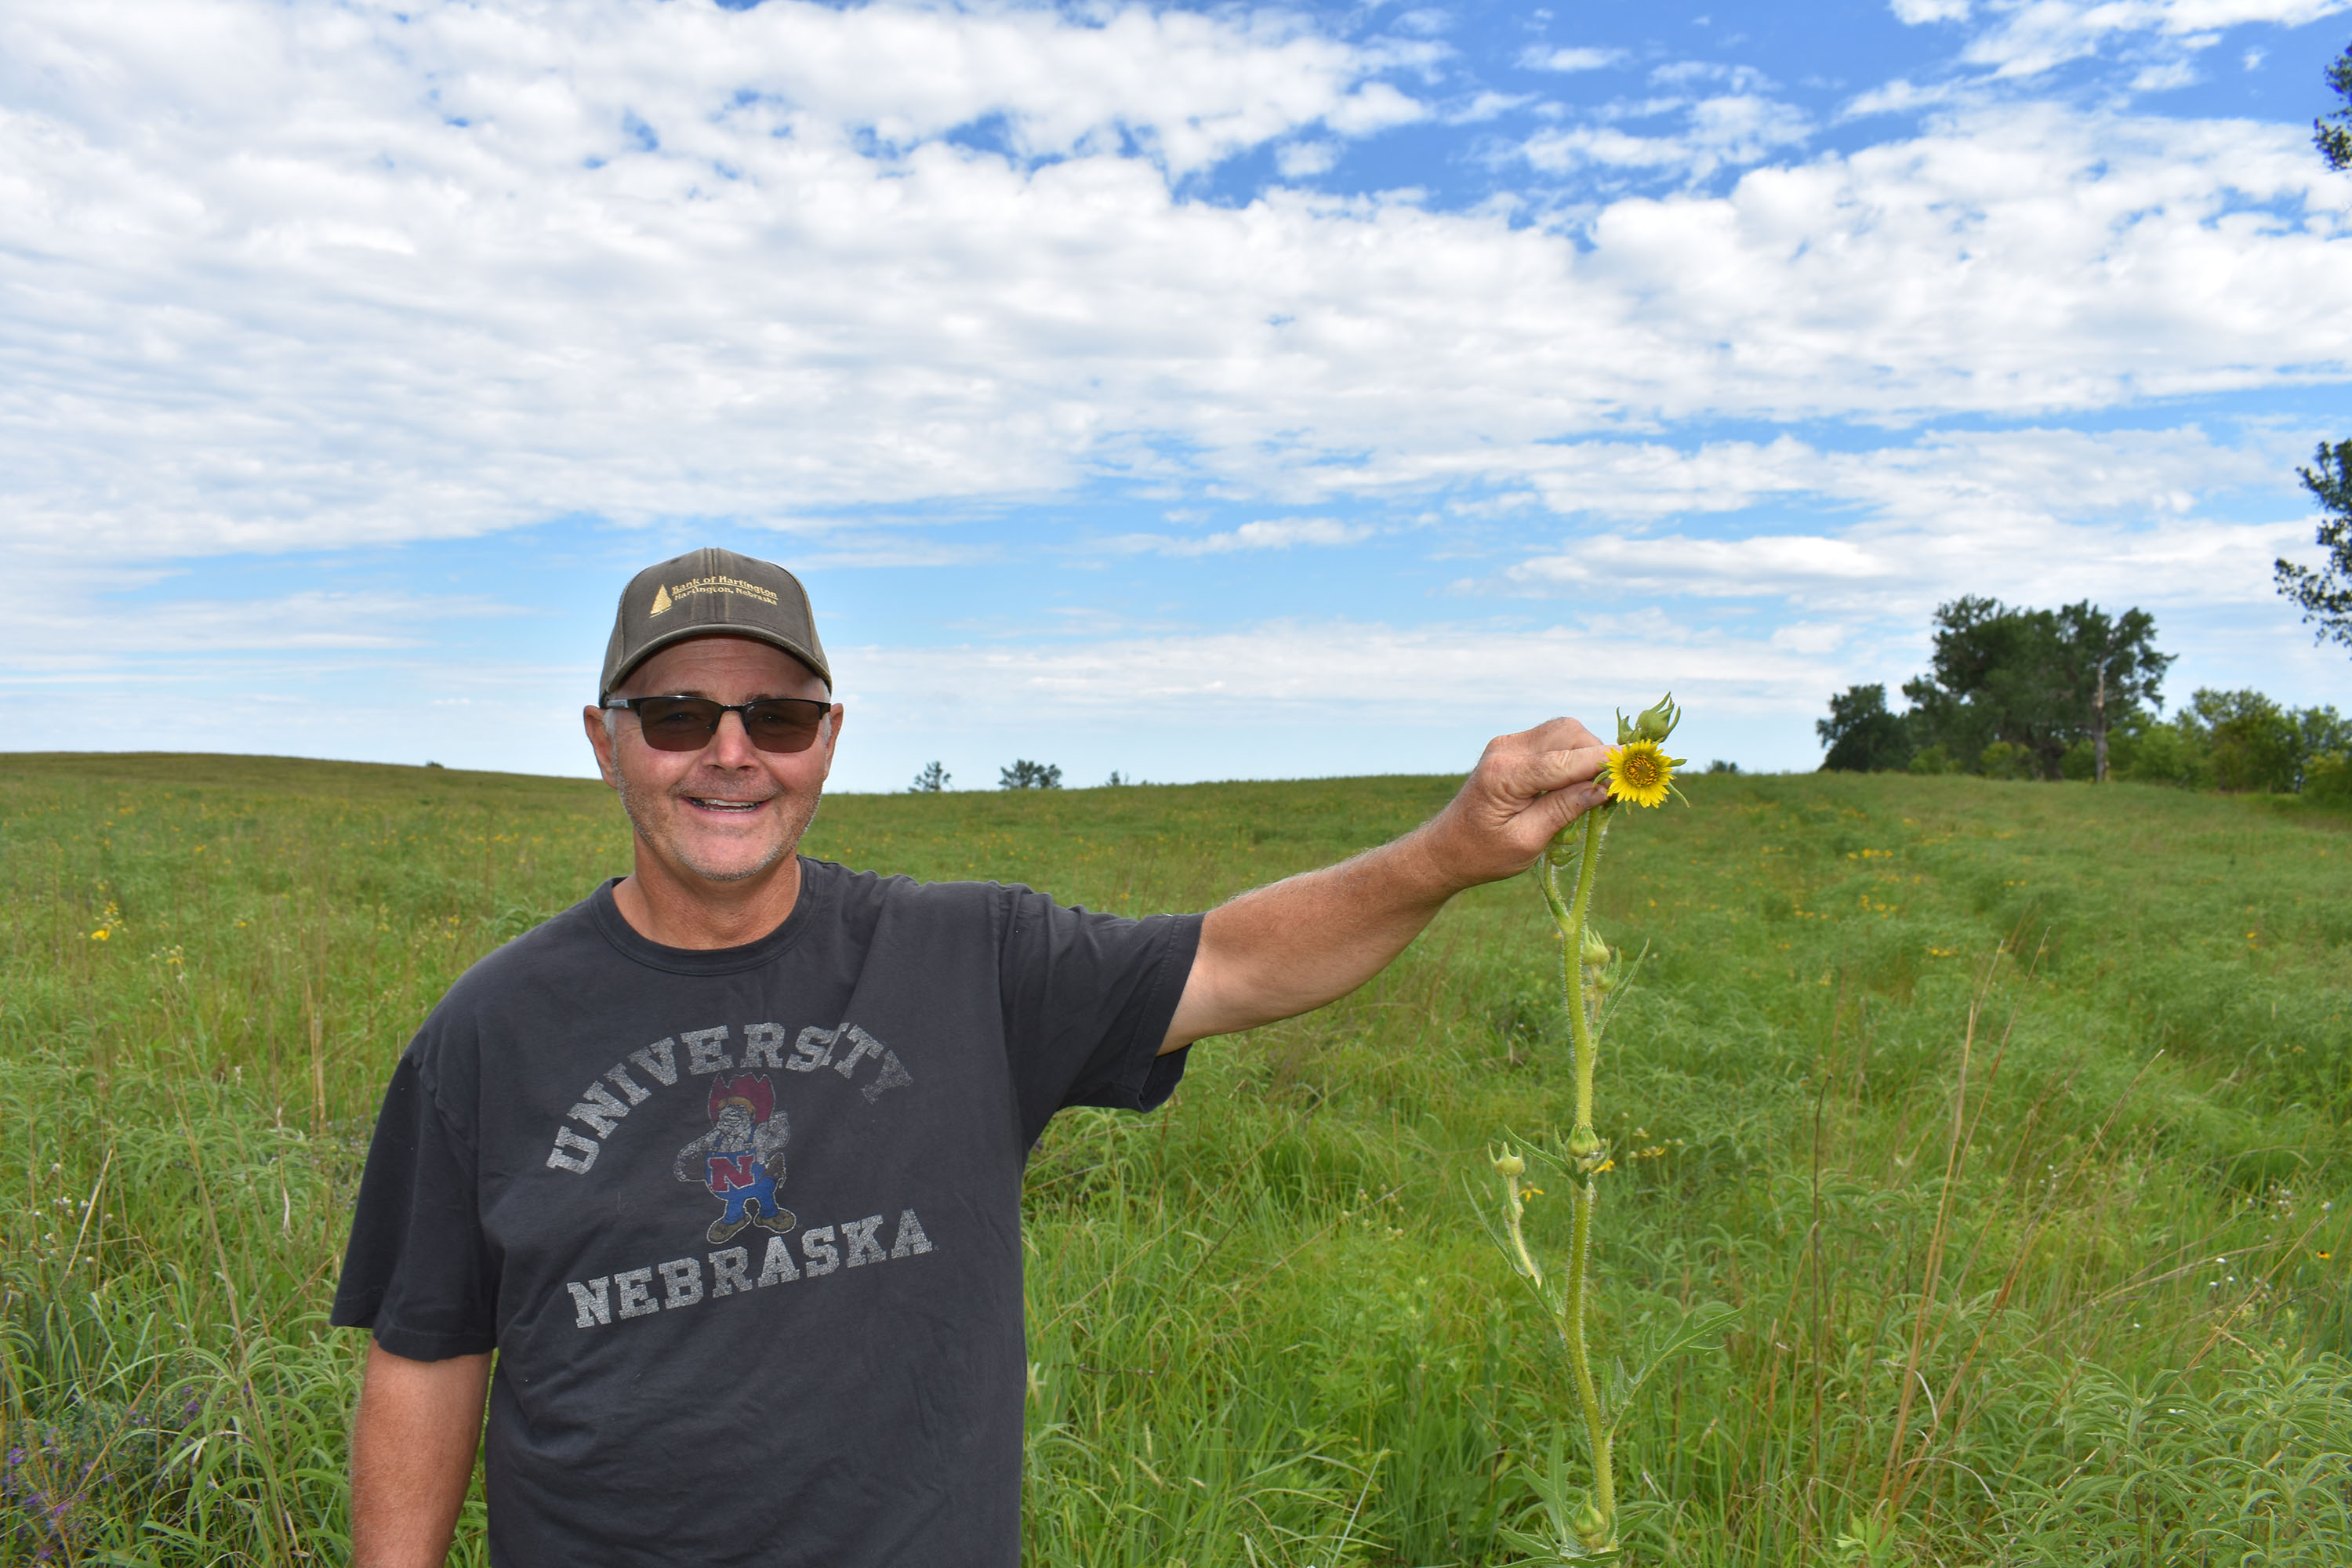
(662, 908)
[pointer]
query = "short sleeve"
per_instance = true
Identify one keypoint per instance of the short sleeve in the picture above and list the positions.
(1088, 999)
(418, 1271)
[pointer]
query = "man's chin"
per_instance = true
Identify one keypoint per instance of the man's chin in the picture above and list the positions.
(733, 868)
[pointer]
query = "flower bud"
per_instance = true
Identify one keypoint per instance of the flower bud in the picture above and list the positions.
(1510, 1164)
(1596, 952)
(1583, 1144)
(1592, 1530)
(1658, 722)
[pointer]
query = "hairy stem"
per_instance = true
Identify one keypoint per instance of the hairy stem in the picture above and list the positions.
(1584, 1149)
(1573, 1309)
(1571, 951)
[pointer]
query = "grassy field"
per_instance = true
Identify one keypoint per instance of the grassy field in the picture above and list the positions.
(2010, 1118)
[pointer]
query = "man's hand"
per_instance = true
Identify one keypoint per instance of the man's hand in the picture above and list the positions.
(1525, 789)
(412, 1447)
(1288, 948)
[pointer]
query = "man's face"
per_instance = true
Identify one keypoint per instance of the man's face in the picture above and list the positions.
(729, 811)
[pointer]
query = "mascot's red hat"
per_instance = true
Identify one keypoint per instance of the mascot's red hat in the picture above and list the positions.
(756, 1095)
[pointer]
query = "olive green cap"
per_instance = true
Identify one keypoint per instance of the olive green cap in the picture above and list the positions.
(710, 593)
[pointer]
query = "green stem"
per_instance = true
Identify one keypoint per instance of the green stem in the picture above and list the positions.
(1573, 961)
(1572, 1309)
(1584, 1149)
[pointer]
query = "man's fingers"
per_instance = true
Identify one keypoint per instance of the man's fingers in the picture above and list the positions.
(1560, 735)
(1528, 774)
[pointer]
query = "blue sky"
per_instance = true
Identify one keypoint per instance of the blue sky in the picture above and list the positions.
(1196, 392)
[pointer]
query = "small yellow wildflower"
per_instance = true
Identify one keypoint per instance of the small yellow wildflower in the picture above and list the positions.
(101, 934)
(1641, 773)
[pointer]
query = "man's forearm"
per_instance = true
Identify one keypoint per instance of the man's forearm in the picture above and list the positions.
(413, 1446)
(1292, 946)
(1309, 939)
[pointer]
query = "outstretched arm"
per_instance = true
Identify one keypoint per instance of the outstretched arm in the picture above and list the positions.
(412, 1456)
(1284, 948)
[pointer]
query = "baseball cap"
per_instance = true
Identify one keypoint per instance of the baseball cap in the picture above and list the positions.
(710, 593)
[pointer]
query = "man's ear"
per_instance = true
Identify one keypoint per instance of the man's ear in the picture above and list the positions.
(600, 741)
(832, 738)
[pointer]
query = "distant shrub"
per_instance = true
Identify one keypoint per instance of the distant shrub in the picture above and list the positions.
(1935, 759)
(2254, 742)
(1026, 775)
(930, 781)
(2006, 760)
(2327, 779)
(2163, 753)
(1720, 766)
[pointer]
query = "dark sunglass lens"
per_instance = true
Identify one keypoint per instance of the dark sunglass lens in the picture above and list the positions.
(678, 723)
(784, 726)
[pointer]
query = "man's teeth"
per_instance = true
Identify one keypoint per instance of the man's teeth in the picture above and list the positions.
(726, 805)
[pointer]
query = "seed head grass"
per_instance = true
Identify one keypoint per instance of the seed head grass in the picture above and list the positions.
(2023, 1168)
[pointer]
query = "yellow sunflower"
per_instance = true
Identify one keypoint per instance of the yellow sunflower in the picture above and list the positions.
(1640, 771)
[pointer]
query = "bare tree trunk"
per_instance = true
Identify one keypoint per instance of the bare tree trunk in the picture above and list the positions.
(2099, 726)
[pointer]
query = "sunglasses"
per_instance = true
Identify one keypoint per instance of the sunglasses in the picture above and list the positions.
(687, 724)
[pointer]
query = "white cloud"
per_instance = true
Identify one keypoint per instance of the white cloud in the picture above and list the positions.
(2027, 37)
(1302, 160)
(1266, 673)
(1729, 128)
(1901, 96)
(2038, 515)
(259, 291)
(1544, 57)
(1902, 573)
(1274, 533)
(2164, 75)
(1955, 479)
(1488, 106)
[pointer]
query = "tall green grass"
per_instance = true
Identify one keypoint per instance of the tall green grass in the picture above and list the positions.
(2010, 1117)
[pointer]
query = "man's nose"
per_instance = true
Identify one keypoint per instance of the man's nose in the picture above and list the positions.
(731, 745)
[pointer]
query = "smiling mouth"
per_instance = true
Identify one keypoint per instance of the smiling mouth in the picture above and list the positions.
(726, 807)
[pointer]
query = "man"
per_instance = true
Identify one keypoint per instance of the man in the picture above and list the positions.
(725, 1162)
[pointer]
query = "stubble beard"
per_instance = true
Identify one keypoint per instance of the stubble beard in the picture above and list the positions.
(643, 805)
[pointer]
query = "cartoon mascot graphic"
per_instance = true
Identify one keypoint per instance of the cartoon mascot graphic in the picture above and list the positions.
(741, 1158)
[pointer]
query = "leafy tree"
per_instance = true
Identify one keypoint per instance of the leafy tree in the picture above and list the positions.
(930, 781)
(1026, 775)
(1989, 679)
(2252, 740)
(2334, 142)
(1861, 735)
(2034, 682)
(2109, 667)
(2325, 595)
(2243, 741)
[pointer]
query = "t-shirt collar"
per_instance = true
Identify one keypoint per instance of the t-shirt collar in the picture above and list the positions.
(638, 948)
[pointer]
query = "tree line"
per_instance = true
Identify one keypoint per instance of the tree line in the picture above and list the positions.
(2076, 693)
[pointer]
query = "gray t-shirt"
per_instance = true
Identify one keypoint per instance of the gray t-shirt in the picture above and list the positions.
(744, 1226)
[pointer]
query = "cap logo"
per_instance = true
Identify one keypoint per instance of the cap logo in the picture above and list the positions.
(664, 597)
